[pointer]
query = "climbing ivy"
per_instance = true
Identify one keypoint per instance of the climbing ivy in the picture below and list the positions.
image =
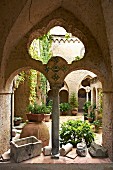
(20, 78)
(40, 49)
(45, 43)
(33, 84)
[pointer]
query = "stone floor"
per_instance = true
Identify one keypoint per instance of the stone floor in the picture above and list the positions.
(64, 160)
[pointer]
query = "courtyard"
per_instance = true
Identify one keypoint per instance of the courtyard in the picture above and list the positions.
(62, 159)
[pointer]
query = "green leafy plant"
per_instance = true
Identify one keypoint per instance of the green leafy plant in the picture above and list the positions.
(73, 131)
(91, 116)
(64, 107)
(67, 35)
(97, 124)
(86, 106)
(77, 58)
(73, 101)
(48, 109)
(37, 109)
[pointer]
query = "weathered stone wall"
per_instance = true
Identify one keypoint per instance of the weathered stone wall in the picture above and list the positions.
(5, 118)
(21, 100)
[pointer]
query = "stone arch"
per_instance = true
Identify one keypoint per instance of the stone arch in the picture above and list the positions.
(73, 25)
(86, 82)
(92, 60)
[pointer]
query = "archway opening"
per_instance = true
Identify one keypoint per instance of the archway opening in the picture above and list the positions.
(55, 43)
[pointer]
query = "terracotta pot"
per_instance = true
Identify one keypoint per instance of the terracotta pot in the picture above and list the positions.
(37, 129)
(35, 117)
(64, 113)
(90, 119)
(46, 117)
(74, 112)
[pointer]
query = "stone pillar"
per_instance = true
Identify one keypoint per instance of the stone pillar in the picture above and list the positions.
(91, 96)
(96, 97)
(55, 123)
(107, 122)
(5, 118)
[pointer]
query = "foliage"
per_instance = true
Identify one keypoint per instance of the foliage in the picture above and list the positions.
(86, 106)
(67, 35)
(37, 109)
(20, 78)
(92, 115)
(40, 49)
(45, 43)
(97, 123)
(85, 115)
(32, 85)
(73, 101)
(77, 58)
(43, 84)
(64, 107)
(100, 99)
(73, 131)
(49, 105)
(48, 109)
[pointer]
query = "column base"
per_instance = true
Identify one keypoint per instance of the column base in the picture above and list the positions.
(55, 156)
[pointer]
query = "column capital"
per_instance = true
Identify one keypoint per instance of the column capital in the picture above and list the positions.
(56, 86)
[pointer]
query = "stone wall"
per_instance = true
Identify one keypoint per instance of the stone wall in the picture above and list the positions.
(5, 118)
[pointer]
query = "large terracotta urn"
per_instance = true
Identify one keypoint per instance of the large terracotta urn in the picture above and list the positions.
(37, 129)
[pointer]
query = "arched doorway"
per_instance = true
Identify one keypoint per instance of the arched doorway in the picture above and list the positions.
(64, 96)
(81, 99)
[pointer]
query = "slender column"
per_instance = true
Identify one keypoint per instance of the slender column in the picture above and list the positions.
(55, 123)
(87, 93)
(87, 97)
(91, 96)
(96, 97)
(107, 122)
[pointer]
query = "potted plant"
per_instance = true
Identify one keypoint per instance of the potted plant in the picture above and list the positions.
(85, 108)
(73, 103)
(73, 131)
(47, 113)
(64, 108)
(36, 112)
(97, 124)
(91, 116)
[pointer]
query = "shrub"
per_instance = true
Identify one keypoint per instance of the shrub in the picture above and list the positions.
(73, 101)
(73, 131)
(64, 107)
(86, 105)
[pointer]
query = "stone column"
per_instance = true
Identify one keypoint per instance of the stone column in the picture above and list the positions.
(96, 97)
(55, 123)
(107, 122)
(91, 96)
(5, 118)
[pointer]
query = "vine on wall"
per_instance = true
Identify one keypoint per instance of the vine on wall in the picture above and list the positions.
(40, 49)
